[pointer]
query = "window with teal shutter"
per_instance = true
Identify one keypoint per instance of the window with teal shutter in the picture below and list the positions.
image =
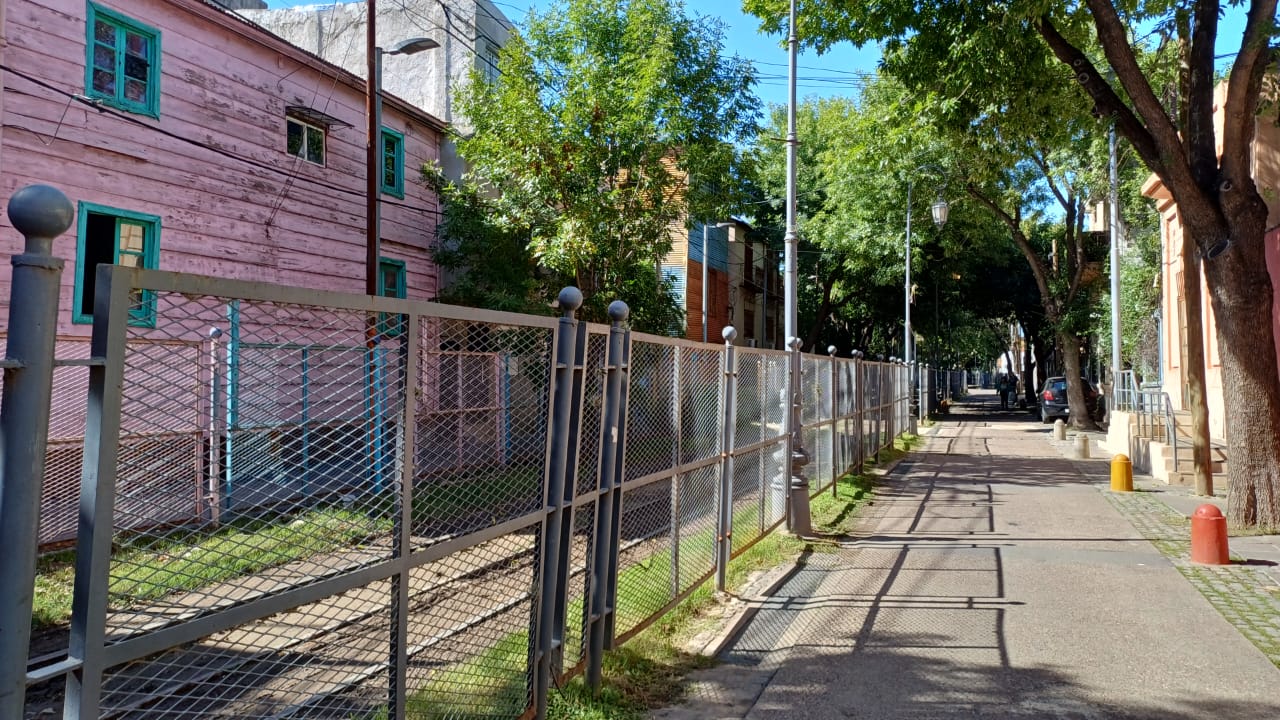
(392, 163)
(109, 236)
(392, 283)
(122, 62)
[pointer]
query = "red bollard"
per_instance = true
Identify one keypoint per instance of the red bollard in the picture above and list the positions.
(1209, 536)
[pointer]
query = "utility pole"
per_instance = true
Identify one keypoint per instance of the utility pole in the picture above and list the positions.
(798, 518)
(1114, 202)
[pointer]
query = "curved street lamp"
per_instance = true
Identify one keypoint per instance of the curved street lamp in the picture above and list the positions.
(939, 209)
(373, 149)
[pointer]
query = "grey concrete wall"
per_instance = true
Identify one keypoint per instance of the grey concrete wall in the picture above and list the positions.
(470, 33)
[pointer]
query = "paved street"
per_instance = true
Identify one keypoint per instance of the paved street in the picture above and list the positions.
(995, 577)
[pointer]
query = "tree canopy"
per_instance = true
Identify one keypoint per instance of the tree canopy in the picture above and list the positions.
(609, 122)
(994, 63)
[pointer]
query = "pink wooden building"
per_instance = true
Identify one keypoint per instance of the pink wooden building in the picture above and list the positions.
(191, 140)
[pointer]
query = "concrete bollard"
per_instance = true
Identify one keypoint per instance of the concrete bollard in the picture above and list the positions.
(1209, 536)
(1121, 473)
(1082, 446)
(1059, 430)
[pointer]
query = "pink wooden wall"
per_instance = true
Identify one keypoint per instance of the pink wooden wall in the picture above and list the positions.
(259, 215)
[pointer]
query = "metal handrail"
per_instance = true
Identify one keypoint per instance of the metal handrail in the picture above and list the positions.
(1171, 430)
(1124, 391)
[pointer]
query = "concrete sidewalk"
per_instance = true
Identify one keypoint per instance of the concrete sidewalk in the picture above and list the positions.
(991, 578)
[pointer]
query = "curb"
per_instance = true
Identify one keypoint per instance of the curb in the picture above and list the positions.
(761, 589)
(753, 597)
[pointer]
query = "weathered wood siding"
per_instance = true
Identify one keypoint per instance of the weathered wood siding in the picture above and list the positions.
(214, 167)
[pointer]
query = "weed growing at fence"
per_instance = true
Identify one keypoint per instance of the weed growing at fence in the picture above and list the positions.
(835, 514)
(55, 574)
(648, 671)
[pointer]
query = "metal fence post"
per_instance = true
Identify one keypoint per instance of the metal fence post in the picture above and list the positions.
(603, 591)
(402, 537)
(724, 529)
(677, 414)
(859, 417)
(561, 465)
(98, 493)
(835, 413)
(40, 213)
(888, 400)
(762, 397)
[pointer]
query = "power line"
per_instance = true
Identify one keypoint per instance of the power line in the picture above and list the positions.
(287, 173)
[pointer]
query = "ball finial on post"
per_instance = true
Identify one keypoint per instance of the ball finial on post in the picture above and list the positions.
(729, 333)
(569, 300)
(618, 311)
(40, 212)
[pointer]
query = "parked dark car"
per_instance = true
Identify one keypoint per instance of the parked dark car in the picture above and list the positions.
(1053, 399)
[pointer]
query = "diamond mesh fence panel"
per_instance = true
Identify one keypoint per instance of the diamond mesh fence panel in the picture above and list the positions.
(263, 450)
(235, 477)
(774, 393)
(646, 567)
(469, 625)
(749, 427)
(592, 413)
(651, 410)
(697, 538)
(581, 558)
(60, 495)
(749, 482)
(325, 659)
(700, 414)
(871, 405)
(777, 470)
(481, 426)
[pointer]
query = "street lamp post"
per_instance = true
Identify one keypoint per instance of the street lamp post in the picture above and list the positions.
(1113, 196)
(706, 274)
(940, 208)
(798, 518)
(373, 169)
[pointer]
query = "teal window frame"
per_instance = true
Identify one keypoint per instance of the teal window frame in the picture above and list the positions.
(387, 326)
(142, 310)
(123, 25)
(396, 157)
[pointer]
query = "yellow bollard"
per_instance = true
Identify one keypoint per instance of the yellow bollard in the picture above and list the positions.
(1121, 474)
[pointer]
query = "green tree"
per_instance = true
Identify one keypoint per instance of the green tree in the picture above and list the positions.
(856, 159)
(983, 60)
(491, 263)
(610, 121)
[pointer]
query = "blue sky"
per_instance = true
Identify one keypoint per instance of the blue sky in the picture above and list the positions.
(838, 72)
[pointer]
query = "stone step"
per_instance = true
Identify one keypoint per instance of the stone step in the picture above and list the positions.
(1188, 479)
(1186, 465)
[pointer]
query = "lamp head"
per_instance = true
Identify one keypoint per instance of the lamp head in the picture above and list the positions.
(412, 45)
(940, 210)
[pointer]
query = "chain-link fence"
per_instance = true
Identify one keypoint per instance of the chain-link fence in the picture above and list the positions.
(304, 504)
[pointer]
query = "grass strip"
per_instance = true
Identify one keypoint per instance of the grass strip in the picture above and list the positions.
(147, 567)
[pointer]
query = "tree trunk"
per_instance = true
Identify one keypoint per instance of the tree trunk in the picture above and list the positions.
(1241, 294)
(1193, 365)
(1069, 350)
